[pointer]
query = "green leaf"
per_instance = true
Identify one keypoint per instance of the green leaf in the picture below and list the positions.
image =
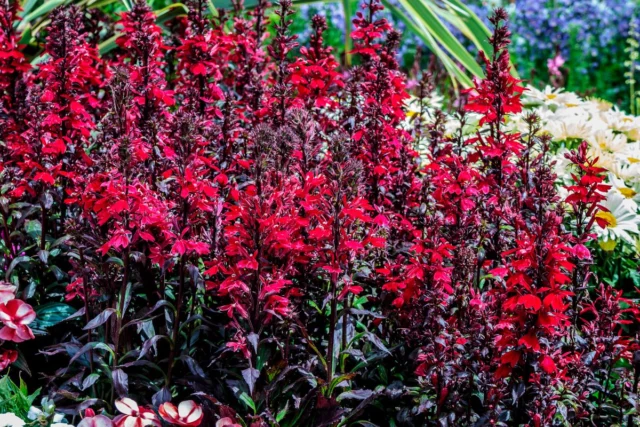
(26, 6)
(14, 263)
(45, 8)
(280, 415)
(51, 314)
(172, 11)
(226, 4)
(100, 3)
(247, 400)
(127, 4)
(477, 31)
(348, 41)
(60, 241)
(423, 12)
(108, 45)
(453, 70)
(15, 399)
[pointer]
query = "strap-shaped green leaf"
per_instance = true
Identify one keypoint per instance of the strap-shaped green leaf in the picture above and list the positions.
(167, 13)
(42, 10)
(422, 11)
(108, 45)
(454, 72)
(478, 32)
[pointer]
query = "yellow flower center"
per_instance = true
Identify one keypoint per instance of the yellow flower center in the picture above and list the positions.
(552, 96)
(608, 246)
(608, 216)
(570, 105)
(633, 160)
(627, 192)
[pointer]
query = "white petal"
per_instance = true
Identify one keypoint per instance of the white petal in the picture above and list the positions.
(127, 406)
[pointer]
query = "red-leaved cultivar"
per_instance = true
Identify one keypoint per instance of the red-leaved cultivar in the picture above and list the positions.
(212, 213)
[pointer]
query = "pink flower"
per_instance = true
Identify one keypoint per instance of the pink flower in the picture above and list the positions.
(187, 414)
(227, 422)
(6, 358)
(16, 315)
(134, 415)
(92, 420)
(554, 65)
(7, 292)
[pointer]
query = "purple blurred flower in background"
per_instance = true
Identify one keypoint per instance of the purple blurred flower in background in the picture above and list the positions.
(544, 26)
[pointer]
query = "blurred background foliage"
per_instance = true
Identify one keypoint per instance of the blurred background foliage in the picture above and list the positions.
(585, 46)
(445, 27)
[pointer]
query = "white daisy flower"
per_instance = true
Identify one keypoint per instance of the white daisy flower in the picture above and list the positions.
(564, 126)
(597, 105)
(551, 97)
(632, 155)
(609, 142)
(628, 172)
(562, 164)
(630, 192)
(621, 122)
(603, 159)
(621, 222)
(10, 420)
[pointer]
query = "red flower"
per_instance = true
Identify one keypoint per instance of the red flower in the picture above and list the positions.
(6, 358)
(547, 364)
(16, 315)
(187, 414)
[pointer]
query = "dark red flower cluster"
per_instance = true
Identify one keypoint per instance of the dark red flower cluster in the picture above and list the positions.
(219, 212)
(506, 317)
